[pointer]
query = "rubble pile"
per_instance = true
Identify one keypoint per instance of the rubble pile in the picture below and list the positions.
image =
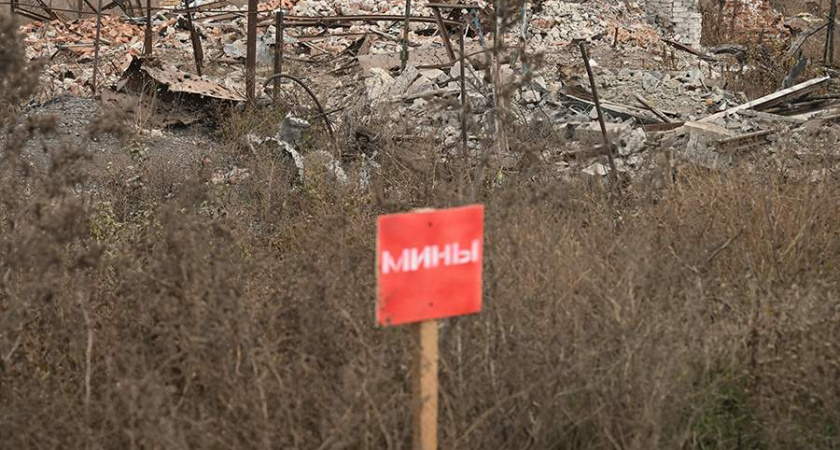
(68, 50)
(550, 27)
(656, 91)
(357, 7)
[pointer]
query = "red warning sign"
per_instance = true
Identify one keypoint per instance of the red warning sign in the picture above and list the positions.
(429, 264)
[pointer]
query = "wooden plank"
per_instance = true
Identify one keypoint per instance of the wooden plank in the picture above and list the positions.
(768, 117)
(795, 109)
(773, 99)
(620, 111)
(688, 49)
(826, 120)
(661, 127)
(425, 386)
(650, 108)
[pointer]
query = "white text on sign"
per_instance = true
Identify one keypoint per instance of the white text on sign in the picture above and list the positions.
(429, 257)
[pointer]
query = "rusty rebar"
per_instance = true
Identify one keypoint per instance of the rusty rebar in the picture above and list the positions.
(198, 53)
(829, 37)
(308, 91)
(406, 29)
(597, 100)
(147, 48)
(444, 33)
(96, 46)
(251, 55)
(279, 43)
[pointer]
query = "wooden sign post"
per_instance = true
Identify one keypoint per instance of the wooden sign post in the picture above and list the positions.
(424, 378)
(428, 268)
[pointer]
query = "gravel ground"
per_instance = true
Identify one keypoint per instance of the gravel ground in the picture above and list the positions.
(180, 147)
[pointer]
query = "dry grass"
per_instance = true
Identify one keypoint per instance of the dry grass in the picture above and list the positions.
(142, 307)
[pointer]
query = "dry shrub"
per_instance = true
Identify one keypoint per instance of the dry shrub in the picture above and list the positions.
(175, 313)
(17, 77)
(767, 63)
(706, 320)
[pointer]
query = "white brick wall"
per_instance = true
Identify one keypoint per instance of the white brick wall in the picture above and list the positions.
(684, 15)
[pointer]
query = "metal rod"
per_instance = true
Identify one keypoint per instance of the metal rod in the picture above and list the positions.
(96, 46)
(308, 91)
(478, 30)
(86, 2)
(299, 21)
(652, 109)
(251, 55)
(198, 53)
(406, 29)
(829, 39)
(524, 36)
(31, 15)
(291, 21)
(597, 101)
(49, 10)
(444, 33)
(148, 41)
(279, 42)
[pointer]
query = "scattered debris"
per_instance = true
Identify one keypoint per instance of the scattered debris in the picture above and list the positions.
(657, 85)
(171, 84)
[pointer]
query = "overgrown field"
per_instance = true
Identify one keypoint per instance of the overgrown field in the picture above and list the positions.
(142, 307)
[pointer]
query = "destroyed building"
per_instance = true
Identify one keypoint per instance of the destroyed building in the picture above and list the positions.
(683, 17)
(655, 82)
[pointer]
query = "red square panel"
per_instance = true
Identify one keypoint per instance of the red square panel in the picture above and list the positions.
(429, 264)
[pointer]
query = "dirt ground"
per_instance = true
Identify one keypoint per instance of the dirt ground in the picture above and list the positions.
(180, 147)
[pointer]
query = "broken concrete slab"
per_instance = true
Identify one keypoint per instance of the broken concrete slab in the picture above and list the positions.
(378, 85)
(597, 169)
(590, 133)
(404, 81)
(421, 84)
(632, 141)
(436, 75)
(707, 132)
